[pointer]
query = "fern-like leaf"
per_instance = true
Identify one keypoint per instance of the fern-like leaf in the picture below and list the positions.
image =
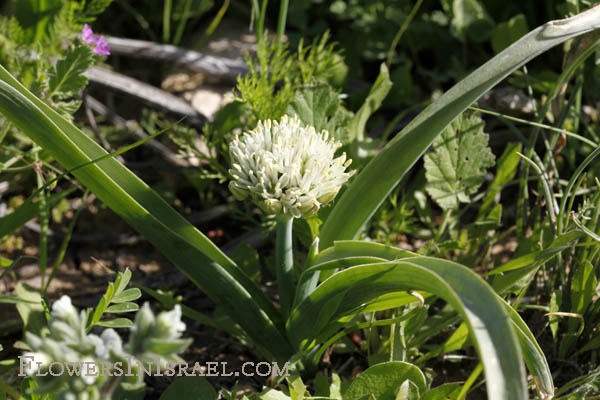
(66, 78)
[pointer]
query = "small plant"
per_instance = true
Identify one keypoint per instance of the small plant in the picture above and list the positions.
(66, 361)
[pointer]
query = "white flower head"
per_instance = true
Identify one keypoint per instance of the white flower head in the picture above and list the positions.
(287, 168)
(169, 323)
(63, 309)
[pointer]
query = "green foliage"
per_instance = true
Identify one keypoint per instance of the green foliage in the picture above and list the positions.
(456, 164)
(116, 300)
(88, 10)
(66, 78)
(320, 106)
(275, 74)
(383, 381)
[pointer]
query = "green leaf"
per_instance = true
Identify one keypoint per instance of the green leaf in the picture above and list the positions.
(506, 33)
(559, 244)
(189, 387)
(320, 106)
(377, 94)
(66, 78)
(532, 353)
(382, 381)
(115, 323)
(456, 165)
(374, 183)
(505, 171)
(117, 187)
(448, 391)
(122, 307)
(31, 309)
(128, 295)
(486, 317)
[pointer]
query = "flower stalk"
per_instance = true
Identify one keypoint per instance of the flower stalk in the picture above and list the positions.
(284, 257)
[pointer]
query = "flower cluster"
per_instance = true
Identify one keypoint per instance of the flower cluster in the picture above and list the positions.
(286, 168)
(67, 343)
(101, 47)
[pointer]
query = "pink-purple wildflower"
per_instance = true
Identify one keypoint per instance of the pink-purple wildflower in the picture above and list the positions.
(101, 47)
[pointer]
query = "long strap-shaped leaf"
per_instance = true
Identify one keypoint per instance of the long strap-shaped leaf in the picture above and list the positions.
(473, 299)
(207, 266)
(383, 173)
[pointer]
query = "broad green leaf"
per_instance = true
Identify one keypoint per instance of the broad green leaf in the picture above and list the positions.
(374, 183)
(115, 323)
(377, 94)
(320, 106)
(506, 33)
(343, 249)
(456, 165)
(478, 305)
(191, 251)
(189, 387)
(66, 78)
(127, 295)
(122, 307)
(383, 381)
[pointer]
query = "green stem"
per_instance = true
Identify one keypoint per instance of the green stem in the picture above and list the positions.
(167, 20)
(283, 9)
(401, 31)
(260, 26)
(43, 214)
(470, 381)
(284, 257)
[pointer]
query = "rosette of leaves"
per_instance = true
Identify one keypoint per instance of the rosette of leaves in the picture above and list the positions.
(456, 164)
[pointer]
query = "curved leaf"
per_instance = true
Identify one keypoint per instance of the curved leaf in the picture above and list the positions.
(382, 381)
(198, 258)
(374, 183)
(471, 297)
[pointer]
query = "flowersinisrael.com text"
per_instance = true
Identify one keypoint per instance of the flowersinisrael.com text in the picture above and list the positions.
(28, 366)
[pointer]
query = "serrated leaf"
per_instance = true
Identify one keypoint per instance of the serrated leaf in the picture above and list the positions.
(320, 106)
(456, 164)
(115, 323)
(122, 307)
(66, 78)
(127, 295)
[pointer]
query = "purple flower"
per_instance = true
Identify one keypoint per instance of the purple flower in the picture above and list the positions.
(88, 34)
(101, 47)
